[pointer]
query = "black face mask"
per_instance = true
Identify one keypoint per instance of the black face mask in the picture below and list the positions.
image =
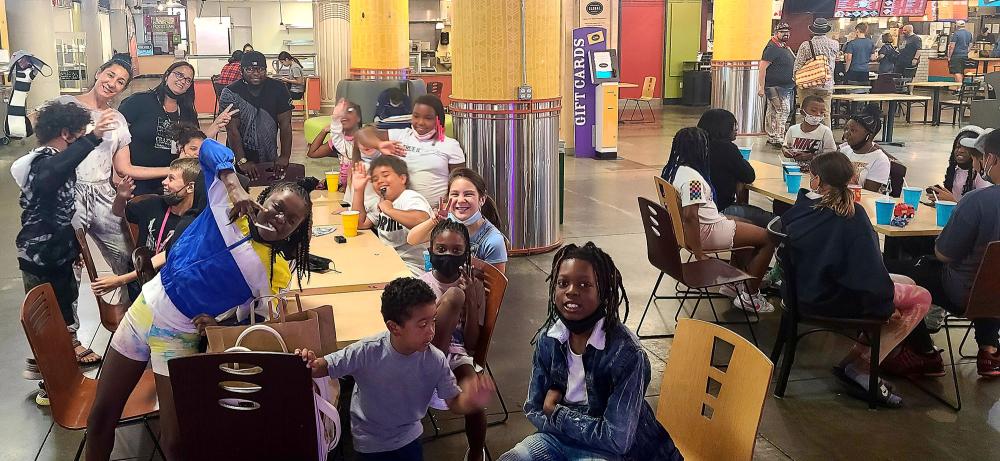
(448, 265)
(583, 325)
(172, 199)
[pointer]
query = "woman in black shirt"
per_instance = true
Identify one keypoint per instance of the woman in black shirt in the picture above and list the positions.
(728, 169)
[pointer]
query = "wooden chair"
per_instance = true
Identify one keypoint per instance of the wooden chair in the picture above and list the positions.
(648, 88)
(435, 88)
(111, 314)
(133, 229)
(264, 407)
(266, 176)
(72, 394)
(670, 200)
(142, 261)
(663, 252)
(712, 409)
(218, 87)
(788, 333)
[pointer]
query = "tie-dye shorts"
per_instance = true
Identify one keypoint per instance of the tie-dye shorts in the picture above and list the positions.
(139, 339)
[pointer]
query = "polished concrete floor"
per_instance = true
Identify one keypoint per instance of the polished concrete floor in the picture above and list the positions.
(815, 421)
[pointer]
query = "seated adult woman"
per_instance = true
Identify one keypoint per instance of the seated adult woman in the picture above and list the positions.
(871, 164)
(960, 178)
(839, 270)
(151, 117)
(430, 155)
(728, 169)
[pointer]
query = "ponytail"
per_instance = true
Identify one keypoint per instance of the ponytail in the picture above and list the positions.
(835, 171)
(490, 212)
(838, 199)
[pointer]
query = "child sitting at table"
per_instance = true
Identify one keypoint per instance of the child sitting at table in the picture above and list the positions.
(399, 210)
(871, 164)
(459, 318)
(811, 137)
(345, 121)
(961, 178)
(839, 270)
(396, 372)
(707, 229)
(468, 203)
(589, 373)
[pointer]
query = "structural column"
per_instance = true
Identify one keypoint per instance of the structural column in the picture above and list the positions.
(499, 46)
(92, 28)
(742, 28)
(380, 34)
(333, 35)
(28, 32)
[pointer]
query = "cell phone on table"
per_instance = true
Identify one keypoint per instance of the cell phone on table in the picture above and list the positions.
(339, 239)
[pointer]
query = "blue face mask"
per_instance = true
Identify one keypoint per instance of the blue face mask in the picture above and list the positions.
(468, 222)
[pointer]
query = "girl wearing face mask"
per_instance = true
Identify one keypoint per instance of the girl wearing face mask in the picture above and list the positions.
(589, 374)
(839, 270)
(429, 154)
(961, 178)
(811, 137)
(871, 164)
(468, 203)
(151, 116)
(461, 307)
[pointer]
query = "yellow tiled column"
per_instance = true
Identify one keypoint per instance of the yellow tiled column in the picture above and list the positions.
(380, 34)
(742, 28)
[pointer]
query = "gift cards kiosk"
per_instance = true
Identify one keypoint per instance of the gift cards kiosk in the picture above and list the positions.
(595, 94)
(604, 77)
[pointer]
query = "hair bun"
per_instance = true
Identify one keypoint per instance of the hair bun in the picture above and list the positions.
(308, 183)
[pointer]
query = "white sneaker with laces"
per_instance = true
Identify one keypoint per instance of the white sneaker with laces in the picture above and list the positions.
(753, 303)
(729, 290)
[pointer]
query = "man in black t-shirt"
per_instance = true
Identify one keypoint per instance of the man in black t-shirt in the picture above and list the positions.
(909, 48)
(265, 108)
(777, 82)
(161, 219)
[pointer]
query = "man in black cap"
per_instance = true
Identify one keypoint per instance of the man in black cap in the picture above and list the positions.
(777, 81)
(818, 45)
(265, 107)
(909, 46)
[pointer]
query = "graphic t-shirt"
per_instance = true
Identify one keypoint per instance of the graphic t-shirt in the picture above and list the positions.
(874, 165)
(258, 116)
(97, 166)
(695, 190)
(148, 215)
(393, 234)
(814, 142)
(152, 138)
(428, 162)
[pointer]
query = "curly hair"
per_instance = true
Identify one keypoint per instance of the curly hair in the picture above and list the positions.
(184, 132)
(55, 117)
(610, 289)
(401, 296)
(296, 246)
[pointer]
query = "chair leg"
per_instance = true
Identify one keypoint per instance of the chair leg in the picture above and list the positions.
(792, 335)
(874, 338)
(652, 296)
(79, 450)
(781, 338)
(156, 440)
(503, 405)
(746, 315)
(961, 346)
(954, 371)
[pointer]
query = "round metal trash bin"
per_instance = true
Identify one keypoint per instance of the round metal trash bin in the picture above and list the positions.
(734, 88)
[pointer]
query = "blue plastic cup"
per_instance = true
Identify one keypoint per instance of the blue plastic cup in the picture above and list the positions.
(884, 207)
(944, 209)
(745, 152)
(789, 169)
(911, 196)
(794, 182)
(784, 169)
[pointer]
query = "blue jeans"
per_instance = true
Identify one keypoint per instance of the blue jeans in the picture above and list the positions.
(546, 447)
(755, 215)
(410, 452)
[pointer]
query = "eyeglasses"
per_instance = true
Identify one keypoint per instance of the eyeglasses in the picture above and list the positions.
(183, 79)
(254, 69)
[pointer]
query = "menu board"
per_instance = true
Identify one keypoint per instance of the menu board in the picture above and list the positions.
(857, 8)
(902, 7)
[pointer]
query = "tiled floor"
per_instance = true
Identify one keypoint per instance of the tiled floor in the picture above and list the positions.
(815, 421)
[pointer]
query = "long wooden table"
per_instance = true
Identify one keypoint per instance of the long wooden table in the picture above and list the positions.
(924, 222)
(764, 170)
(892, 98)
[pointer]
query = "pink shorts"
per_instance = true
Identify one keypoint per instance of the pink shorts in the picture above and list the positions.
(718, 236)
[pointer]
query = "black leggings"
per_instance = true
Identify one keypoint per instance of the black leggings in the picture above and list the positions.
(927, 273)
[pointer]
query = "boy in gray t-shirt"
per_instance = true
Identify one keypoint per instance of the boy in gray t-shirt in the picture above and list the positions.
(396, 373)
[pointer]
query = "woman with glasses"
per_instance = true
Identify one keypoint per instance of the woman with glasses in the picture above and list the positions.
(151, 117)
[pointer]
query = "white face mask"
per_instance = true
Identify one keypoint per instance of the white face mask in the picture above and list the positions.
(813, 119)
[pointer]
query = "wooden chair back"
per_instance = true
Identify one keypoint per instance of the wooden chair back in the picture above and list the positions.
(266, 176)
(982, 297)
(264, 409)
(897, 175)
(662, 248)
(111, 314)
(496, 287)
(133, 229)
(671, 201)
(648, 87)
(142, 261)
(711, 406)
(885, 83)
(435, 88)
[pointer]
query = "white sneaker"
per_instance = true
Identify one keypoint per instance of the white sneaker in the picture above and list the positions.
(467, 454)
(730, 291)
(753, 303)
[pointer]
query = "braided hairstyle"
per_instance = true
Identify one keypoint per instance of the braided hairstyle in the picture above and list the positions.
(690, 149)
(949, 174)
(296, 246)
(870, 118)
(610, 289)
(456, 227)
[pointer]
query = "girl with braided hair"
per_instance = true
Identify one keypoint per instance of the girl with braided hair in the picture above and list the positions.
(871, 164)
(960, 178)
(589, 372)
(236, 250)
(705, 228)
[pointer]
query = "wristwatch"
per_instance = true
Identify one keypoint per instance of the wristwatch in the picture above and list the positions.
(242, 161)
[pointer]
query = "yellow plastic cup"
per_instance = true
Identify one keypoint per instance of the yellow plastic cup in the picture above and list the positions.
(332, 182)
(350, 221)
